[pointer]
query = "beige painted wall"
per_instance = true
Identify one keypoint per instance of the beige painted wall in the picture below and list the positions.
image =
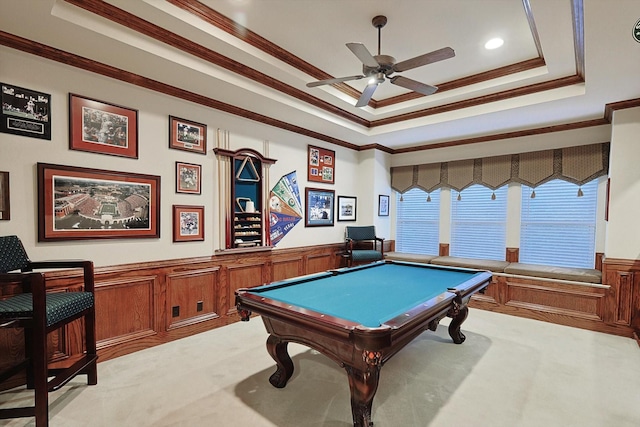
(623, 232)
(19, 156)
(361, 174)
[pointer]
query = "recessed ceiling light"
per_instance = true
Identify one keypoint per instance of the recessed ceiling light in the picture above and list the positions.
(494, 43)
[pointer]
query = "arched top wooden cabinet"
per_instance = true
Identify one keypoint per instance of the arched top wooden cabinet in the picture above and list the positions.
(246, 225)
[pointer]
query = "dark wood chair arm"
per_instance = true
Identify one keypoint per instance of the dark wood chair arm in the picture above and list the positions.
(87, 267)
(29, 282)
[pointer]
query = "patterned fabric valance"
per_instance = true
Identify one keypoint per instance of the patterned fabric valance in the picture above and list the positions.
(578, 165)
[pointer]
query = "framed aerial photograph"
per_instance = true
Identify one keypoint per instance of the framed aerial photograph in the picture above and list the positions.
(5, 206)
(101, 127)
(25, 112)
(188, 178)
(383, 205)
(188, 223)
(82, 203)
(187, 135)
(319, 207)
(321, 165)
(346, 208)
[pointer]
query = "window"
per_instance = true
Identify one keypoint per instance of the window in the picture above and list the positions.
(417, 222)
(478, 223)
(557, 226)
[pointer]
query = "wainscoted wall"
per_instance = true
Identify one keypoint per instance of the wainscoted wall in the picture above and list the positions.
(612, 307)
(145, 304)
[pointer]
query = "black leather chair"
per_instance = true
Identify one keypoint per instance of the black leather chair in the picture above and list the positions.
(361, 245)
(37, 312)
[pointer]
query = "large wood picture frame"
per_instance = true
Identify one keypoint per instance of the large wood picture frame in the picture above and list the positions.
(101, 127)
(81, 203)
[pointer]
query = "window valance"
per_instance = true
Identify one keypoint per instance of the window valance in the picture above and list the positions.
(578, 165)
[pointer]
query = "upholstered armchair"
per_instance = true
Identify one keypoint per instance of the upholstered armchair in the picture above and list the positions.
(362, 245)
(26, 304)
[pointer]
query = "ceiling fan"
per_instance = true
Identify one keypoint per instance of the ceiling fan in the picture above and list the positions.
(376, 68)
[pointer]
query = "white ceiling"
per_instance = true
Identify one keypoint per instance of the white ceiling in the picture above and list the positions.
(574, 75)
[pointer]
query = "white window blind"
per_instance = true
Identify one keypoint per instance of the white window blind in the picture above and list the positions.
(417, 222)
(478, 223)
(557, 226)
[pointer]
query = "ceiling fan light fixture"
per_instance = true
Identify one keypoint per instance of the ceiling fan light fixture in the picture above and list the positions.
(376, 79)
(494, 43)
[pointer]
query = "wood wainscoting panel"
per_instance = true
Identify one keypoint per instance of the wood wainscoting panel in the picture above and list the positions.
(570, 300)
(287, 268)
(512, 255)
(624, 296)
(623, 275)
(125, 309)
(193, 295)
(243, 276)
(443, 249)
(317, 263)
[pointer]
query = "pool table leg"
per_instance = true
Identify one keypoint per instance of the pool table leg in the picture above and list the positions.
(278, 351)
(460, 316)
(363, 386)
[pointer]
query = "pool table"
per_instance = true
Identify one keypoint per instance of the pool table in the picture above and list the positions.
(360, 317)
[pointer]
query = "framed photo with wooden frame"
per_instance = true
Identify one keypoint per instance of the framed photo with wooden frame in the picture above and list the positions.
(187, 135)
(383, 205)
(188, 178)
(346, 208)
(25, 112)
(321, 165)
(5, 201)
(319, 207)
(188, 223)
(101, 127)
(81, 203)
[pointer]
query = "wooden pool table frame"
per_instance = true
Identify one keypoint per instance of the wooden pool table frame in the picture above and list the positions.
(360, 350)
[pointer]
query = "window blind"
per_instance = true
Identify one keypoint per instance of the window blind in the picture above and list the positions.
(478, 223)
(417, 222)
(557, 226)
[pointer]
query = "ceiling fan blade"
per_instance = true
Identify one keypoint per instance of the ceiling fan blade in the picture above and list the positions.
(363, 54)
(336, 80)
(427, 58)
(367, 93)
(413, 85)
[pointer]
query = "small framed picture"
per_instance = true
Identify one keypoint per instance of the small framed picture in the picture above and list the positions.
(25, 112)
(346, 208)
(5, 211)
(187, 135)
(188, 178)
(321, 165)
(100, 127)
(383, 205)
(188, 223)
(319, 207)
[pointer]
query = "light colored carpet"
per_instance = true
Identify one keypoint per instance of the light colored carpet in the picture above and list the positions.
(510, 372)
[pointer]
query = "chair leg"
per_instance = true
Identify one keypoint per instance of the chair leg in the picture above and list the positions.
(90, 344)
(40, 375)
(28, 354)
